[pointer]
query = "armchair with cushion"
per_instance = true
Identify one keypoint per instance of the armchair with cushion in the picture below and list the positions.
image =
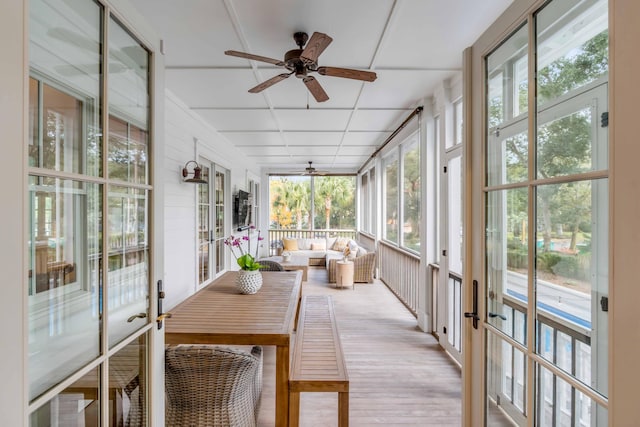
(363, 268)
(270, 265)
(212, 386)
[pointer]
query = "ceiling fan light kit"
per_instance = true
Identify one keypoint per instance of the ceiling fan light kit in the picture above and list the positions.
(302, 61)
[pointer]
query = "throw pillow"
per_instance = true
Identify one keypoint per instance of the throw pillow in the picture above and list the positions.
(318, 246)
(290, 244)
(348, 254)
(361, 251)
(340, 244)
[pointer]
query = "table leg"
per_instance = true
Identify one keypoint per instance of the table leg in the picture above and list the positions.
(282, 385)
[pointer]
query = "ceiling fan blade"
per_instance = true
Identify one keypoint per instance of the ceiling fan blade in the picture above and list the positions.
(254, 57)
(316, 90)
(268, 83)
(367, 76)
(315, 46)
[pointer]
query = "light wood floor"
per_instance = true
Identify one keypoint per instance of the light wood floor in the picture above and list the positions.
(399, 376)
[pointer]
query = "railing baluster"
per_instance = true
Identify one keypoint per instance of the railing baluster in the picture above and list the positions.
(400, 271)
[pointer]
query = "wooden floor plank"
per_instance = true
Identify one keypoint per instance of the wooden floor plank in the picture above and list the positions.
(398, 375)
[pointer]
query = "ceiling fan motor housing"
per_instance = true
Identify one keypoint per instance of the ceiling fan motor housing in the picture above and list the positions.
(300, 38)
(293, 63)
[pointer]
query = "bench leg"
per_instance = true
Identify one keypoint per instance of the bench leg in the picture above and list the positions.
(343, 409)
(294, 408)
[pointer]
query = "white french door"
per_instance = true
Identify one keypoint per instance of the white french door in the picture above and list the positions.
(92, 258)
(450, 274)
(538, 198)
(211, 222)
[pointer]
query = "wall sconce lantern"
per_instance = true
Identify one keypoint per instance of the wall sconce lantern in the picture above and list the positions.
(197, 173)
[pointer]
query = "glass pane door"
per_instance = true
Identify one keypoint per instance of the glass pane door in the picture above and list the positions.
(451, 273)
(89, 191)
(219, 221)
(546, 221)
(204, 228)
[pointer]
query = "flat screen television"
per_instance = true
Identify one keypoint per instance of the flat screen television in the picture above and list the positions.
(241, 209)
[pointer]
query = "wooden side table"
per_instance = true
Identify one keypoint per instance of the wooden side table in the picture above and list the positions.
(344, 274)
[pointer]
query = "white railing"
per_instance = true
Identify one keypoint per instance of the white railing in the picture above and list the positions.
(276, 236)
(400, 271)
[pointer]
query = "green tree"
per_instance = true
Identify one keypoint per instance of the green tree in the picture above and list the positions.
(298, 197)
(571, 205)
(564, 145)
(391, 202)
(335, 194)
(411, 189)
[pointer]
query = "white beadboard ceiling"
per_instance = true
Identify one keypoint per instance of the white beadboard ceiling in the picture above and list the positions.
(412, 45)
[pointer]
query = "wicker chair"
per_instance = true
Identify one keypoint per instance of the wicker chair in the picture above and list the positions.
(363, 268)
(212, 386)
(270, 266)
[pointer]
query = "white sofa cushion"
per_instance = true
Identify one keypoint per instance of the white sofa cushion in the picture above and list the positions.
(318, 245)
(311, 254)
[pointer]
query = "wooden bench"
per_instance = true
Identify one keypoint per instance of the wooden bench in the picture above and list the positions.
(318, 363)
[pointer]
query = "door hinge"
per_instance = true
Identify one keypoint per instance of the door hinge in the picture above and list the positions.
(444, 330)
(604, 119)
(604, 303)
(444, 252)
(445, 169)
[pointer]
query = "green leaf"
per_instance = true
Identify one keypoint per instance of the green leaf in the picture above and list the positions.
(247, 262)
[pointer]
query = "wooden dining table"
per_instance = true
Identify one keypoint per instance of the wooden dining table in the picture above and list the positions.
(219, 314)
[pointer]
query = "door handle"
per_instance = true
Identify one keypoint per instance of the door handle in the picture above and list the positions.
(502, 316)
(474, 314)
(161, 315)
(136, 316)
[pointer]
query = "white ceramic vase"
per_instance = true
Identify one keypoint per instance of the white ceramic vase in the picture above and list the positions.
(249, 282)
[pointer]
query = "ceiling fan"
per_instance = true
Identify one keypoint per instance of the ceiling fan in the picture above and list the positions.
(301, 62)
(310, 170)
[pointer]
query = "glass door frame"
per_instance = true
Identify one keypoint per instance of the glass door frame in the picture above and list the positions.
(216, 237)
(450, 284)
(151, 367)
(475, 339)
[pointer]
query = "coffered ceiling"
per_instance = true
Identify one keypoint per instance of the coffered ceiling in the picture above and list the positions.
(412, 46)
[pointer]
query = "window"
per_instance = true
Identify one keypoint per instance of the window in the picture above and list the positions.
(315, 202)
(290, 198)
(391, 199)
(373, 202)
(365, 206)
(335, 203)
(458, 130)
(402, 194)
(411, 189)
(368, 207)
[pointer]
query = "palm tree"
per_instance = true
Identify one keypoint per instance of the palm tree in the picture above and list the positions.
(298, 197)
(332, 189)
